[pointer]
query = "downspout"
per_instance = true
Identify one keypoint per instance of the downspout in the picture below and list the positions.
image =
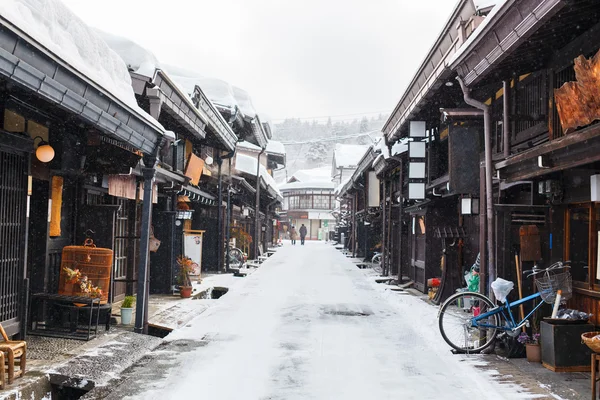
(149, 170)
(220, 226)
(384, 227)
(220, 223)
(228, 224)
(257, 206)
(505, 117)
(362, 189)
(488, 181)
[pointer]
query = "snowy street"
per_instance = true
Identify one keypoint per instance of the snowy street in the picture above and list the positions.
(310, 325)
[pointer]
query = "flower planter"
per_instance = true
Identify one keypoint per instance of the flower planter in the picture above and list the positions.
(126, 316)
(534, 352)
(185, 291)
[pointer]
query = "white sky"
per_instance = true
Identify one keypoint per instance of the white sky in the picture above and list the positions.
(296, 58)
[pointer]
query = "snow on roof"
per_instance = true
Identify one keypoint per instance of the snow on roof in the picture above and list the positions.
(246, 164)
(244, 102)
(461, 50)
(348, 155)
(307, 185)
(138, 59)
(219, 92)
(340, 187)
(312, 175)
(483, 4)
(54, 26)
(275, 147)
(400, 147)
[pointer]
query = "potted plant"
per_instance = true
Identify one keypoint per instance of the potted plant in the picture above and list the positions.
(532, 346)
(127, 310)
(185, 268)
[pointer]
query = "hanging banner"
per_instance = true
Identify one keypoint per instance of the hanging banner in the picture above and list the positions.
(122, 186)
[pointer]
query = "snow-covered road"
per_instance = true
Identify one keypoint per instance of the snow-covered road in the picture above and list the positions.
(310, 325)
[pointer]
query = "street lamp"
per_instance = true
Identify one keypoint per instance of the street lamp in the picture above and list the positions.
(44, 152)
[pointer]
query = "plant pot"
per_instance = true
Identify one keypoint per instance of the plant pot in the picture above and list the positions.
(126, 316)
(185, 291)
(534, 352)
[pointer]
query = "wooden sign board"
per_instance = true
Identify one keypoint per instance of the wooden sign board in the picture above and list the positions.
(194, 168)
(192, 248)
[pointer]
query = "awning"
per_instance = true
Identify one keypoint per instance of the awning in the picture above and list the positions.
(26, 62)
(197, 195)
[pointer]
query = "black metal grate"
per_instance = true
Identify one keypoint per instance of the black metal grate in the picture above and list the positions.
(13, 192)
(122, 239)
(560, 78)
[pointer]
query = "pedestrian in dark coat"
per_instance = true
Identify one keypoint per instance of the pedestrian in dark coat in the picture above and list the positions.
(293, 235)
(302, 234)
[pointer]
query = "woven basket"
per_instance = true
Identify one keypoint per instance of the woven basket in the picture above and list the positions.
(593, 344)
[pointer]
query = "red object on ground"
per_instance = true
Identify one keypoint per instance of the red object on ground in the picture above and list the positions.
(433, 282)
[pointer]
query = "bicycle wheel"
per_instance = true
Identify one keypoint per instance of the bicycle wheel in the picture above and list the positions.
(455, 317)
(236, 258)
(377, 267)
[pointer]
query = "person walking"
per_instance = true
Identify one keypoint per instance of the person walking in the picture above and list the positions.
(302, 234)
(293, 235)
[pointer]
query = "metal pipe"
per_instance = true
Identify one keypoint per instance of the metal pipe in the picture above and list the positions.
(384, 226)
(400, 228)
(220, 227)
(491, 267)
(228, 226)
(257, 206)
(482, 219)
(141, 315)
(505, 118)
(143, 284)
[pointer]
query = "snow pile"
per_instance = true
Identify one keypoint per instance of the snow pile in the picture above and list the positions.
(138, 59)
(59, 30)
(348, 155)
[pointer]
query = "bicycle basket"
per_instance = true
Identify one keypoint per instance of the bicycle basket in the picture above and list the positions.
(549, 284)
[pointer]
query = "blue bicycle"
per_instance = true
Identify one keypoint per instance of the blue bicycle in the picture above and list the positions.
(470, 322)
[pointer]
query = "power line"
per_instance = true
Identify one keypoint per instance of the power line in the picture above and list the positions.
(332, 116)
(331, 139)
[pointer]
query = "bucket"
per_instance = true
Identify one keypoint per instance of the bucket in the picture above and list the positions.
(126, 316)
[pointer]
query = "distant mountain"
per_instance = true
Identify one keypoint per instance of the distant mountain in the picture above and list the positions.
(320, 153)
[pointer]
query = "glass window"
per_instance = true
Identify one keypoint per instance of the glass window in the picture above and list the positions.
(305, 201)
(579, 234)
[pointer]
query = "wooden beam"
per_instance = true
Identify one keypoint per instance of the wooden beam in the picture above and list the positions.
(588, 133)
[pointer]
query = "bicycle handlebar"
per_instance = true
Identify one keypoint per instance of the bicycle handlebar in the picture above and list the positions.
(556, 265)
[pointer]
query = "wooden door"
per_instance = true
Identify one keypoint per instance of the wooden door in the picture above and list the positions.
(13, 228)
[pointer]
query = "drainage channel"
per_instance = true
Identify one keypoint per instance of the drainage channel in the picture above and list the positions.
(68, 388)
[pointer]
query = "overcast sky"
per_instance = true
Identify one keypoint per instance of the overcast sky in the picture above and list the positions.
(305, 59)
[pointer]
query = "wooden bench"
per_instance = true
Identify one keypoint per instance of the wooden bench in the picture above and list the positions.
(13, 353)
